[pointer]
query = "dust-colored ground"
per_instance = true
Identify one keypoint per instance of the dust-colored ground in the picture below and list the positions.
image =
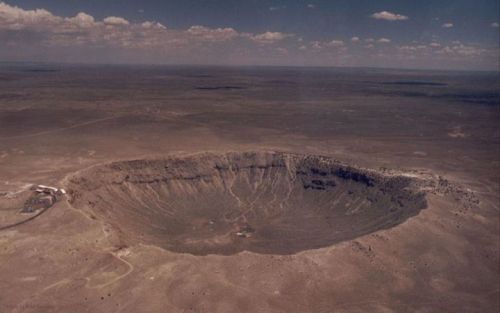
(143, 238)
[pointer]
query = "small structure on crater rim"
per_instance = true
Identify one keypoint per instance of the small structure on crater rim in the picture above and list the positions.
(43, 197)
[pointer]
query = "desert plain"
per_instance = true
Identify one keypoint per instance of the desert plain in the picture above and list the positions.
(248, 189)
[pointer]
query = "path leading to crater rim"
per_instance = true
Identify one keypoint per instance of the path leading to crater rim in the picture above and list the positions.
(265, 202)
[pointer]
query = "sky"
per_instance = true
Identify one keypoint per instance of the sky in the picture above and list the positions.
(424, 34)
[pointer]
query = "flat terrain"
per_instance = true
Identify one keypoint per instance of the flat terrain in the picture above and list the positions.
(93, 250)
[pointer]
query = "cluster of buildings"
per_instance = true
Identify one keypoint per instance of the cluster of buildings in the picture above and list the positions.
(43, 198)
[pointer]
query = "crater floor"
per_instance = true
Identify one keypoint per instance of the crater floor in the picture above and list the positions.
(264, 202)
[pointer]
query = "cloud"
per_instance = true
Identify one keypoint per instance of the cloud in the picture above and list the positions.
(383, 40)
(407, 48)
(82, 20)
(84, 29)
(40, 31)
(319, 45)
(212, 34)
(388, 16)
(334, 43)
(151, 25)
(15, 18)
(440, 53)
(268, 37)
(355, 39)
(495, 25)
(447, 25)
(115, 21)
(311, 6)
(369, 40)
(462, 50)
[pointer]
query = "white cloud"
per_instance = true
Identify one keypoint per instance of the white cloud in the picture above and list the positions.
(317, 45)
(462, 50)
(407, 48)
(468, 50)
(115, 21)
(388, 16)
(495, 25)
(383, 40)
(412, 48)
(434, 45)
(369, 40)
(112, 31)
(212, 34)
(334, 43)
(115, 31)
(268, 37)
(354, 39)
(84, 29)
(150, 25)
(82, 20)
(15, 18)
(447, 25)
(311, 6)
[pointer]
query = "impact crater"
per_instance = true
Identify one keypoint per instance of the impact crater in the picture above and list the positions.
(264, 202)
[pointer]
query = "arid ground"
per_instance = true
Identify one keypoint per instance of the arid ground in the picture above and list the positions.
(220, 189)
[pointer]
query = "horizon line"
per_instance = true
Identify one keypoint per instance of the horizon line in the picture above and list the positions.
(62, 63)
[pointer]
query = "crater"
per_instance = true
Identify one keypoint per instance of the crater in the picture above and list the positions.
(263, 202)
